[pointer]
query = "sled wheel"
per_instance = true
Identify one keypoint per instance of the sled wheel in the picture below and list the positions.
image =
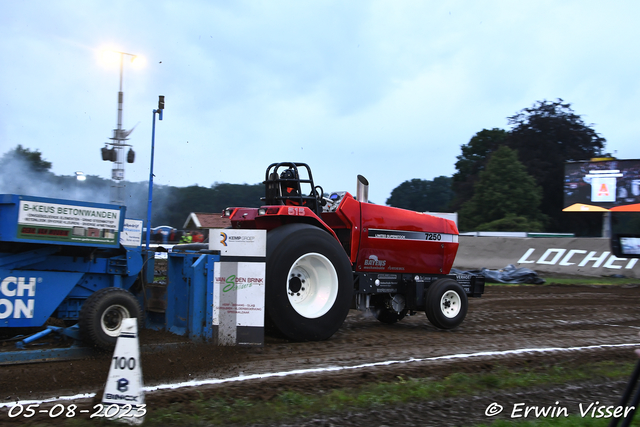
(309, 283)
(102, 313)
(389, 310)
(182, 247)
(446, 304)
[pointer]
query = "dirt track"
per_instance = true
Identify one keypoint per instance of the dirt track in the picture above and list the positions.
(505, 318)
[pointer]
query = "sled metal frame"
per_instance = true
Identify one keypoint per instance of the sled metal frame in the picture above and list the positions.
(77, 350)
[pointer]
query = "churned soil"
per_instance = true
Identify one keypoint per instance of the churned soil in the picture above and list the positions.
(582, 323)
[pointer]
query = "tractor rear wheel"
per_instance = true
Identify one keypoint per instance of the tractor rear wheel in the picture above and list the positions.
(309, 283)
(102, 313)
(446, 304)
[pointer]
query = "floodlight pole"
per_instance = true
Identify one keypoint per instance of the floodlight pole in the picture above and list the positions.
(119, 136)
(153, 145)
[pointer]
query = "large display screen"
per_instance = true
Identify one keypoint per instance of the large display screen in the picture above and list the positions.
(607, 184)
(630, 245)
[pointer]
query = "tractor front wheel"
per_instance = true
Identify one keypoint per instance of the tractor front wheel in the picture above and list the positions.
(446, 304)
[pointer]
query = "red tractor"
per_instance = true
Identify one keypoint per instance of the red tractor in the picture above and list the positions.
(326, 255)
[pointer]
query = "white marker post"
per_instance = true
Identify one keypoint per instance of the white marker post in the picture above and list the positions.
(123, 398)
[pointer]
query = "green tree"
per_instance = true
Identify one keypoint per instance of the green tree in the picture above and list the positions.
(472, 161)
(504, 192)
(423, 195)
(545, 137)
(32, 159)
(183, 201)
(244, 195)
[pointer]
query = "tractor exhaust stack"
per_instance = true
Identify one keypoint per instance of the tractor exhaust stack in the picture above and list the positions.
(362, 190)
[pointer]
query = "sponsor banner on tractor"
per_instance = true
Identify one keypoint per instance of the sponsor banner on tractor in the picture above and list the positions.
(412, 235)
(231, 242)
(68, 223)
(239, 286)
(238, 302)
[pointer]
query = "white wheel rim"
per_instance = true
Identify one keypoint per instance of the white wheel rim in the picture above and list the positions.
(111, 320)
(312, 285)
(450, 304)
(397, 303)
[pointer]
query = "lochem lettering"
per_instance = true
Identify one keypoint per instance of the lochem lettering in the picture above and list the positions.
(564, 257)
(15, 288)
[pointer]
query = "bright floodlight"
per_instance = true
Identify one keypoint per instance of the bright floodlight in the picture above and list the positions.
(80, 176)
(110, 57)
(138, 61)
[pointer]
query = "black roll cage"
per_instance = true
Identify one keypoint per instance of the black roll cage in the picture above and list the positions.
(274, 184)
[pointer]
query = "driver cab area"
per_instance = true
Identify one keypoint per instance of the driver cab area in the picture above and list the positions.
(291, 184)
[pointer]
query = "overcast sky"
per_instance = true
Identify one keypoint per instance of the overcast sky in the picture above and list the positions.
(386, 89)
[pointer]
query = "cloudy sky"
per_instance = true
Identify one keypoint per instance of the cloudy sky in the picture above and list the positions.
(386, 89)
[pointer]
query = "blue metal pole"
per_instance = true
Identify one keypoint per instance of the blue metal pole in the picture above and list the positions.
(153, 145)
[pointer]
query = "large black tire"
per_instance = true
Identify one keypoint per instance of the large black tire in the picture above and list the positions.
(102, 313)
(309, 283)
(196, 247)
(383, 308)
(447, 304)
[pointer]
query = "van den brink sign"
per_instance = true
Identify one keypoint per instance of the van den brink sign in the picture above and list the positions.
(57, 222)
(239, 286)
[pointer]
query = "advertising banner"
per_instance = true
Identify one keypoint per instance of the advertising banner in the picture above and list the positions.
(28, 298)
(239, 286)
(232, 242)
(132, 233)
(68, 223)
(238, 302)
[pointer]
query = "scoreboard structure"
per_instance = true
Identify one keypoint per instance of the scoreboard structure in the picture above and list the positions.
(601, 185)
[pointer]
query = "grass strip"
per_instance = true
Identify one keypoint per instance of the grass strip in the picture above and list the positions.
(570, 421)
(291, 405)
(589, 280)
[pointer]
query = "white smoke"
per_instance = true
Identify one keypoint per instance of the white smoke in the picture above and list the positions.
(17, 176)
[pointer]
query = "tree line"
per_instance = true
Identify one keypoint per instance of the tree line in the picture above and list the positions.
(505, 180)
(513, 180)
